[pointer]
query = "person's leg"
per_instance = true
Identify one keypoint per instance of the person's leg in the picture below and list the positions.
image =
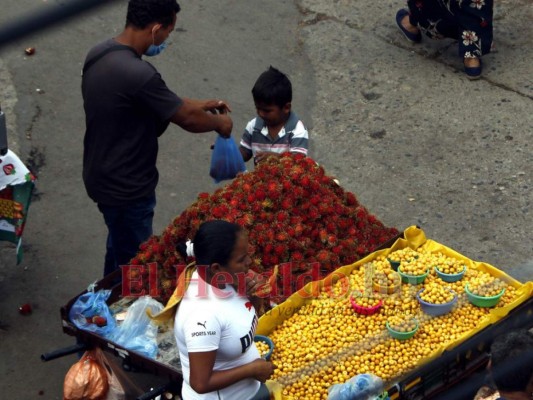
(111, 217)
(431, 17)
(136, 228)
(475, 19)
(128, 227)
(410, 21)
(109, 263)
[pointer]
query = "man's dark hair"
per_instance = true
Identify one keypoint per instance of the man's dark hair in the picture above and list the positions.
(272, 87)
(512, 360)
(143, 12)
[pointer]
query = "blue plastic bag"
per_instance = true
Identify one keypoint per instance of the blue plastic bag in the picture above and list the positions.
(359, 387)
(226, 160)
(138, 332)
(89, 309)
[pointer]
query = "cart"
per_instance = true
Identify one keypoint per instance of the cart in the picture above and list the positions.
(459, 370)
(130, 361)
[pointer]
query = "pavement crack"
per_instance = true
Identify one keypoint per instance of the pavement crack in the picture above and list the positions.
(317, 16)
(436, 57)
(36, 160)
(505, 87)
(34, 119)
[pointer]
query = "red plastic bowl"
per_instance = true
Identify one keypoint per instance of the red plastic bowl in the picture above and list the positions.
(365, 310)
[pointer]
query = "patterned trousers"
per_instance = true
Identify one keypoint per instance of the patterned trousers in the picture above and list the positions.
(467, 21)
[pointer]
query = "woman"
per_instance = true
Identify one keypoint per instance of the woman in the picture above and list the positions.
(216, 320)
(468, 21)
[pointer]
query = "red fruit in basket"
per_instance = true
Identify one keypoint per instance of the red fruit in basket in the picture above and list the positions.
(99, 321)
(25, 309)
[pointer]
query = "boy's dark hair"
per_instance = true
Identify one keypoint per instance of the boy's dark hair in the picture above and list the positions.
(512, 360)
(143, 12)
(214, 242)
(272, 87)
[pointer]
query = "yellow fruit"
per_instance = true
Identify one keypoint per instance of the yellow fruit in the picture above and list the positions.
(325, 342)
(262, 347)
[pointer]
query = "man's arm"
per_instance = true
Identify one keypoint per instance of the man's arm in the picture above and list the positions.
(192, 117)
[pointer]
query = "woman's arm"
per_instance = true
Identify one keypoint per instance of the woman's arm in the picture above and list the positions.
(204, 380)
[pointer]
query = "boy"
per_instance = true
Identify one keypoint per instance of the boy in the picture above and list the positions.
(276, 129)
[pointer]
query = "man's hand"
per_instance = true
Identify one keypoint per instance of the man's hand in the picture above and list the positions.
(216, 106)
(225, 125)
(204, 116)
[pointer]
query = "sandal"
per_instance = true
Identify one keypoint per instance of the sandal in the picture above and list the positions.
(412, 37)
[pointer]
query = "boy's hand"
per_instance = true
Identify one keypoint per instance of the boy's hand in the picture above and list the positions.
(264, 155)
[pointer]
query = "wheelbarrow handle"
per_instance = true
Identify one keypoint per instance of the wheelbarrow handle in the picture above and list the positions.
(152, 394)
(64, 352)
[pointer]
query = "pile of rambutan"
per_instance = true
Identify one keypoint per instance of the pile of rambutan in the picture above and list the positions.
(296, 217)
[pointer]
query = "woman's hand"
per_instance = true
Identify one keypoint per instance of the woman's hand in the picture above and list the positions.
(263, 369)
(203, 379)
(254, 281)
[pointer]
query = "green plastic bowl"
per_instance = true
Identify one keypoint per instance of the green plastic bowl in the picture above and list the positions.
(413, 279)
(481, 301)
(450, 277)
(394, 264)
(401, 335)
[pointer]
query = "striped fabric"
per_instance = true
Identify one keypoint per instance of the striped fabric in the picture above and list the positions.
(257, 141)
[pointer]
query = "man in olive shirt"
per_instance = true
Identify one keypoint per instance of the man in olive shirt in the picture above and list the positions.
(127, 107)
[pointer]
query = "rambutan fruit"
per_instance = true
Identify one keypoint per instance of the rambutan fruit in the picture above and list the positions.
(281, 236)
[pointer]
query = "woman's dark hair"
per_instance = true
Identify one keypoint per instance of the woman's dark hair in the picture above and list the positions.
(214, 242)
(272, 87)
(143, 12)
(512, 360)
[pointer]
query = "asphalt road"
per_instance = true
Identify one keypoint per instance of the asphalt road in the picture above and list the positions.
(399, 125)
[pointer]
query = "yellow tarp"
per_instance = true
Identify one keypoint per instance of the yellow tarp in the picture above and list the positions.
(414, 238)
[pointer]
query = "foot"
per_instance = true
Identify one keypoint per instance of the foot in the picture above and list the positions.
(472, 62)
(473, 67)
(411, 32)
(408, 27)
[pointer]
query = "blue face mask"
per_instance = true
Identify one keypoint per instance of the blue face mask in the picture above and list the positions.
(154, 50)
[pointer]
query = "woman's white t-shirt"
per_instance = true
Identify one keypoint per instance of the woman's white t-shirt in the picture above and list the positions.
(210, 319)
